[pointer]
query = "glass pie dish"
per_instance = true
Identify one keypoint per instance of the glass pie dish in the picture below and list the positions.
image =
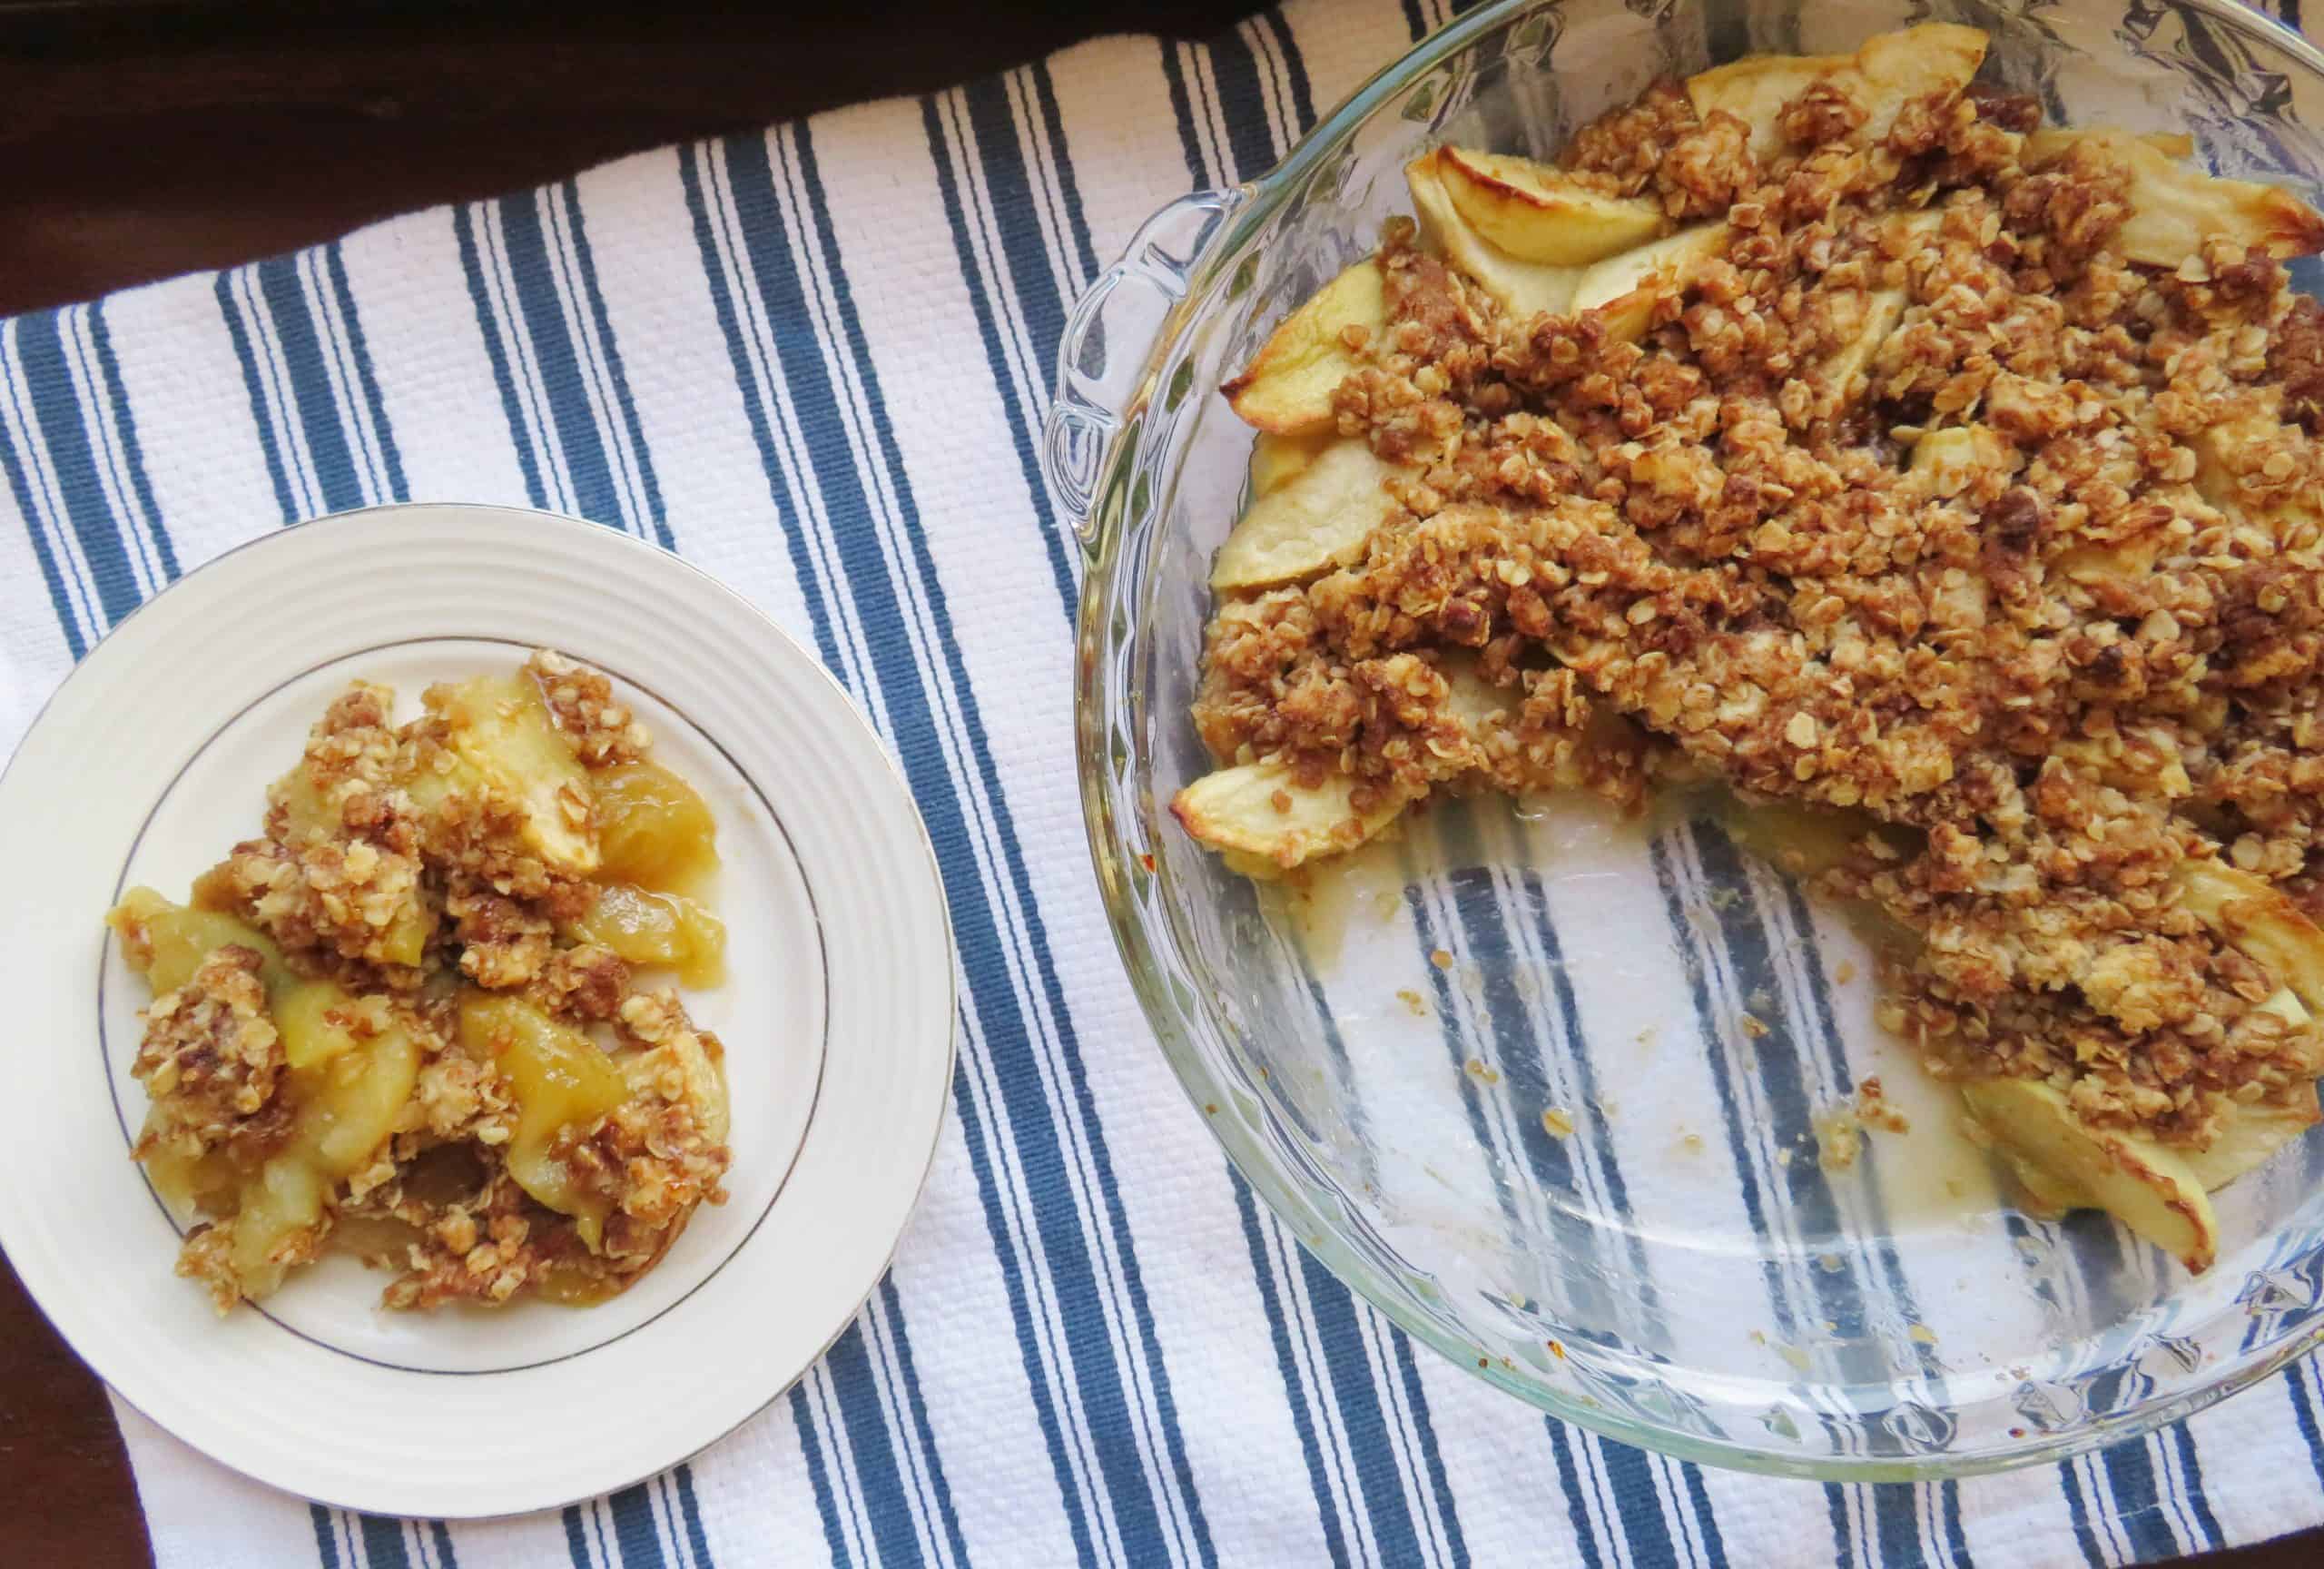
(1575, 1100)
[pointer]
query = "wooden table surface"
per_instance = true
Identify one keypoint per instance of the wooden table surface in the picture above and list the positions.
(142, 140)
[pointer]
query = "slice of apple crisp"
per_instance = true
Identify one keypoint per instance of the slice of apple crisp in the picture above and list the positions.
(404, 1018)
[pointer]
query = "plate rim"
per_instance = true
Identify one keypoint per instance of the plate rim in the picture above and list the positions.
(831, 690)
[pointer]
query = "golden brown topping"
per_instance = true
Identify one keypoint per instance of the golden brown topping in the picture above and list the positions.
(581, 700)
(1628, 145)
(371, 1023)
(2296, 357)
(211, 1060)
(1929, 497)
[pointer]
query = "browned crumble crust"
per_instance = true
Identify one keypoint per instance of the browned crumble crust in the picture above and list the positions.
(581, 701)
(405, 899)
(649, 1163)
(2047, 677)
(583, 984)
(211, 1059)
(1627, 147)
(504, 942)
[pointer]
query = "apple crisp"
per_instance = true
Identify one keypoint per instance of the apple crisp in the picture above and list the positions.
(412, 1019)
(1947, 484)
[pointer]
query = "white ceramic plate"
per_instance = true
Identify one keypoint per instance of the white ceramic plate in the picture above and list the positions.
(837, 1014)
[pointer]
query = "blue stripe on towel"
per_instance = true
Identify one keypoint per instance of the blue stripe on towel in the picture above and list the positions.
(655, 518)
(482, 300)
(635, 1534)
(819, 1476)
(1320, 1483)
(562, 371)
(330, 460)
(690, 1507)
(383, 1546)
(366, 374)
(71, 462)
(1241, 101)
(894, 1511)
(1004, 171)
(937, 1490)
(920, 730)
(125, 456)
(325, 1536)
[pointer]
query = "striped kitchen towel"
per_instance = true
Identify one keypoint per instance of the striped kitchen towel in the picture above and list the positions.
(1094, 1347)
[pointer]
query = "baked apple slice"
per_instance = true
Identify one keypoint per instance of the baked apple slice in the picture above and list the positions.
(1287, 389)
(1888, 72)
(2071, 1165)
(2174, 208)
(1524, 289)
(1623, 289)
(500, 727)
(1276, 460)
(1537, 212)
(1261, 810)
(1316, 519)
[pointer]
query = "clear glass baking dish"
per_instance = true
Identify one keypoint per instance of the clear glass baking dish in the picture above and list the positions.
(1498, 1075)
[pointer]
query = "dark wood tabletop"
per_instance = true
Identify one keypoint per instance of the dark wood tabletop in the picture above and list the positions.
(141, 140)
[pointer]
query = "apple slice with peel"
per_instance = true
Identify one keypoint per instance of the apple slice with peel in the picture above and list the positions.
(1525, 289)
(2148, 1188)
(2250, 1132)
(2249, 1136)
(1888, 72)
(1287, 389)
(1537, 212)
(1259, 809)
(2175, 208)
(1316, 519)
(2042, 1196)
(1276, 461)
(2258, 920)
(1623, 289)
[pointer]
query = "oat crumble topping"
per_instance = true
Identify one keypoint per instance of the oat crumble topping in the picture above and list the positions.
(405, 1019)
(1922, 503)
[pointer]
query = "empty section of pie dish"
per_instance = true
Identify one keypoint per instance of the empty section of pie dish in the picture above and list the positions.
(1561, 1092)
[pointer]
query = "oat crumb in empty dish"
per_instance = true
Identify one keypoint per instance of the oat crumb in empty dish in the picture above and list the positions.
(1839, 1138)
(1874, 1109)
(413, 1018)
(1942, 485)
